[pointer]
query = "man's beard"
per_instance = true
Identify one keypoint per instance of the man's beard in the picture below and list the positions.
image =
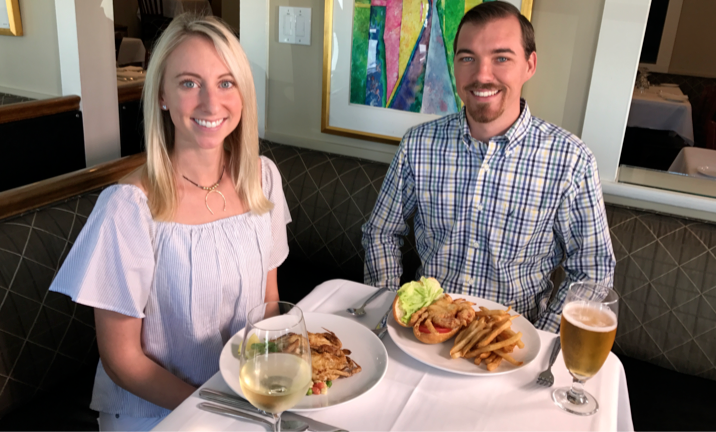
(484, 112)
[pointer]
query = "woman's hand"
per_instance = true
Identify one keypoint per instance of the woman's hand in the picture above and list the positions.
(120, 349)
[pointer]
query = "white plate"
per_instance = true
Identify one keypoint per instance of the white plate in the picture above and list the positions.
(669, 85)
(709, 171)
(438, 355)
(366, 350)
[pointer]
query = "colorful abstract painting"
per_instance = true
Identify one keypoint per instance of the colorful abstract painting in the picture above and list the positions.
(402, 54)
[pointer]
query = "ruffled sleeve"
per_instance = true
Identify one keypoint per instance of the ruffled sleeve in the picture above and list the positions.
(280, 216)
(111, 264)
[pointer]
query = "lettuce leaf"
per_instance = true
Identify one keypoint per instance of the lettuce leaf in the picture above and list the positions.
(416, 295)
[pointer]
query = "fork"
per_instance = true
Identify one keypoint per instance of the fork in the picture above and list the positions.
(382, 327)
(546, 378)
(360, 311)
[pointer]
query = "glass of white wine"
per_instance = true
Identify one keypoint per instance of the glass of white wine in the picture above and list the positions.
(587, 331)
(275, 358)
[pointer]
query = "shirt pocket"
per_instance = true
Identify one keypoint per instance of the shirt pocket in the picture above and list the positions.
(513, 230)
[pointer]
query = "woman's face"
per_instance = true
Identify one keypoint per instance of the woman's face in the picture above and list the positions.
(201, 95)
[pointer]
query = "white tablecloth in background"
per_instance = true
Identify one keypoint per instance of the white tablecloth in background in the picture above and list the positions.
(651, 111)
(413, 396)
(690, 158)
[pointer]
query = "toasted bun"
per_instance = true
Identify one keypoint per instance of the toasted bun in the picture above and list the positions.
(398, 312)
(434, 338)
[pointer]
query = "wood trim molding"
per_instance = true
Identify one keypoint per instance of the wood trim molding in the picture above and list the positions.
(39, 108)
(130, 92)
(25, 198)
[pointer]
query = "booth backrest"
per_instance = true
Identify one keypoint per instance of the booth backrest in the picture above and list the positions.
(665, 274)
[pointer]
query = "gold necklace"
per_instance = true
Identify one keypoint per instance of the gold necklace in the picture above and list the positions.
(210, 189)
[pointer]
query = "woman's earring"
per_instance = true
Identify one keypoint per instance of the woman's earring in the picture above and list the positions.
(164, 107)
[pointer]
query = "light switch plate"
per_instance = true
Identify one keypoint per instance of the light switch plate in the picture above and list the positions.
(294, 25)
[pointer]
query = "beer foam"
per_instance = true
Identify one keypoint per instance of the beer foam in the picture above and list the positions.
(590, 317)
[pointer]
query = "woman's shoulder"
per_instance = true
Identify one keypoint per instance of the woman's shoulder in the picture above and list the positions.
(127, 195)
(136, 179)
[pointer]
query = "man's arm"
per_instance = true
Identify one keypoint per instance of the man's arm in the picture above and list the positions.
(583, 228)
(383, 233)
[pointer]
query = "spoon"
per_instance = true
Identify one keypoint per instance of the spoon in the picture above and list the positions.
(360, 311)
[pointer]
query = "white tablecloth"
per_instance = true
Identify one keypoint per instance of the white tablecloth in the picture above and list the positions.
(413, 396)
(690, 159)
(651, 111)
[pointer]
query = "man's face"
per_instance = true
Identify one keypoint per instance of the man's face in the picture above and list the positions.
(490, 68)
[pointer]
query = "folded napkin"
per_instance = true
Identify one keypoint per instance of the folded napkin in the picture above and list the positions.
(673, 97)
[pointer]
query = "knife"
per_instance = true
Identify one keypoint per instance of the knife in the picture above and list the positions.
(286, 425)
(242, 404)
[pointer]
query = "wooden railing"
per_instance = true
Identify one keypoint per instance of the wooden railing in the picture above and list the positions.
(27, 110)
(43, 193)
(130, 92)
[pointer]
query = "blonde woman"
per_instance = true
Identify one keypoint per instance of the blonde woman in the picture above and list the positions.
(173, 256)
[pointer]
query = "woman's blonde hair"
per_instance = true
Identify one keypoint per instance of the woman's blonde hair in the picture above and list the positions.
(242, 143)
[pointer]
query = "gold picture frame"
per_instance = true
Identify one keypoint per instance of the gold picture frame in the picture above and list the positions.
(363, 131)
(13, 25)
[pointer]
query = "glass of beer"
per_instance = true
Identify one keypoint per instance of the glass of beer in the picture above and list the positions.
(588, 328)
(275, 358)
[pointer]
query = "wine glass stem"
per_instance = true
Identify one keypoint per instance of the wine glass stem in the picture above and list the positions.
(277, 422)
(576, 395)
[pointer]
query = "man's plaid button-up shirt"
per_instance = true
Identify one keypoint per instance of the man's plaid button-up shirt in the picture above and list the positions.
(494, 219)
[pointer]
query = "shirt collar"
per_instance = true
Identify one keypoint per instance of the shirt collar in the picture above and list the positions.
(514, 134)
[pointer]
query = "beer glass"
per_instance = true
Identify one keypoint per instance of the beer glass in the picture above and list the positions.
(275, 358)
(588, 328)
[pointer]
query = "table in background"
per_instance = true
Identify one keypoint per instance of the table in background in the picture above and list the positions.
(651, 111)
(414, 396)
(690, 159)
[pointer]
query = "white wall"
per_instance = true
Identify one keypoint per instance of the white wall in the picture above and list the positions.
(566, 34)
(694, 53)
(30, 64)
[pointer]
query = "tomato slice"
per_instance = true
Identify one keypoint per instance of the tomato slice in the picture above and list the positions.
(424, 329)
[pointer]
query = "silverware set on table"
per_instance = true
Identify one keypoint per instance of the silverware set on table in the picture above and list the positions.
(381, 328)
(237, 407)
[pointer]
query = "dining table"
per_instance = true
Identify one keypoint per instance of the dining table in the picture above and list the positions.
(652, 109)
(413, 396)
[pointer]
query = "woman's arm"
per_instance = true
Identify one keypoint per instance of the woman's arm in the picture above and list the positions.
(272, 286)
(120, 348)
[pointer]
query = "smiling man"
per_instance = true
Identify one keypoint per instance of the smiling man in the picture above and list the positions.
(500, 198)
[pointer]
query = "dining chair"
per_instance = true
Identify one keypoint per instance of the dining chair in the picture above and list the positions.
(153, 21)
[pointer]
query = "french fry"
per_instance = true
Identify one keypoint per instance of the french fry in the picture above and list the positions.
(457, 348)
(494, 346)
(493, 365)
(489, 338)
(490, 312)
(464, 332)
(511, 333)
(473, 341)
(508, 357)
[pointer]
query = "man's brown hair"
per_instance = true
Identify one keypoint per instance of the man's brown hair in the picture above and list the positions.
(492, 10)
